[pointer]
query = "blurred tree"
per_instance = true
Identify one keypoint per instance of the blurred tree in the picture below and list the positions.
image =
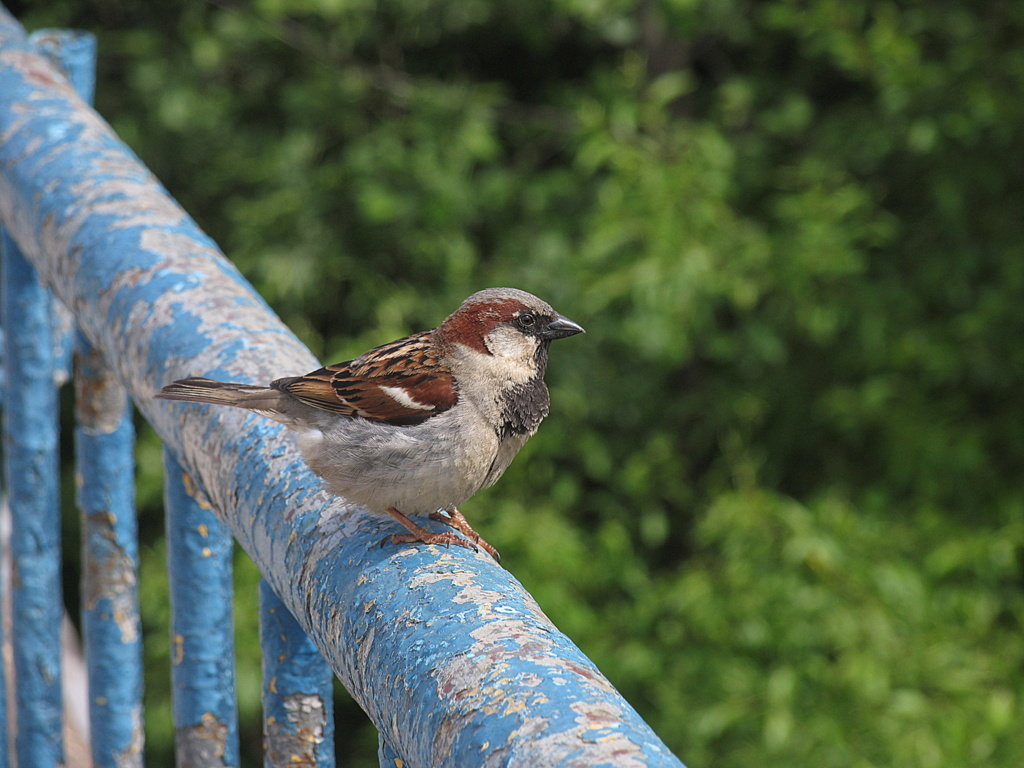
(780, 487)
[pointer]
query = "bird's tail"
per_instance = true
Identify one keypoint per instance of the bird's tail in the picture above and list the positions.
(195, 389)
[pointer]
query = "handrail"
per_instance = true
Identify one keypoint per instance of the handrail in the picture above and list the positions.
(446, 652)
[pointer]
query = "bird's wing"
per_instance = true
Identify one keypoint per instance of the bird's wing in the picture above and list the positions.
(401, 383)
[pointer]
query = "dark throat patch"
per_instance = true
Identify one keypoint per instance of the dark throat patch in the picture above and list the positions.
(525, 405)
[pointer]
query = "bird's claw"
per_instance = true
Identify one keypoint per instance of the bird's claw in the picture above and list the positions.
(455, 519)
(446, 539)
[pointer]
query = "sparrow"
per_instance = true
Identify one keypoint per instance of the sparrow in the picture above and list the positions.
(417, 426)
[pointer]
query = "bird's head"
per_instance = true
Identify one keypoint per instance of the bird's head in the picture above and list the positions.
(505, 330)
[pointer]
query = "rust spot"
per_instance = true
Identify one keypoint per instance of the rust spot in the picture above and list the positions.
(179, 649)
(100, 400)
(193, 490)
(202, 745)
(295, 741)
(41, 76)
(109, 574)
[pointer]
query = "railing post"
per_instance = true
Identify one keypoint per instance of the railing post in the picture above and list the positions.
(199, 556)
(104, 443)
(298, 692)
(31, 466)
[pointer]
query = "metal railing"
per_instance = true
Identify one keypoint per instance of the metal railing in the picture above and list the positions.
(449, 656)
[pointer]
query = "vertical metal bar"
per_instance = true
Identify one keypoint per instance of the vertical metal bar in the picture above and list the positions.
(74, 53)
(30, 467)
(298, 701)
(104, 442)
(202, 634)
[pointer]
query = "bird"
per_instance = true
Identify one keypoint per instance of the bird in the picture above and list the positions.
(417, 426)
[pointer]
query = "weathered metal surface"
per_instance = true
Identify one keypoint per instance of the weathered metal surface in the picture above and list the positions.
(199, 565)
(30, 470)
(450, 657)
(105, 478)
(298, 697)
(73, 53)
(387, 756)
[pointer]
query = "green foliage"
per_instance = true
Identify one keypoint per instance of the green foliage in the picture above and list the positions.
(778, 499)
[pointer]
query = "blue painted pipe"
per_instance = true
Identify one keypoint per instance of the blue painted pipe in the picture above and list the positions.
(34, 354)
(199, 554)
(30, 468)
(73, 53)
(104, 454)
(450, 657)
(298, 695)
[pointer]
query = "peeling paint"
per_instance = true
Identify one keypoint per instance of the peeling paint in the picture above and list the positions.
(110, 575)
(200, 576)
(100, 400)
(131, 755)
(193, 490)
(295, 741)
(297, 690)
(202, 745)
(30, 474)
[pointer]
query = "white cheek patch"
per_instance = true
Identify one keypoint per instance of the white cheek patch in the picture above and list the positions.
(508, 342)
(402, 397)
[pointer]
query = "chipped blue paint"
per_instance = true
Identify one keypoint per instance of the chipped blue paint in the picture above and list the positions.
(104, 445)
(199, 552)
(30, 470)
(73, 53)
(453, 661)
(298, 693)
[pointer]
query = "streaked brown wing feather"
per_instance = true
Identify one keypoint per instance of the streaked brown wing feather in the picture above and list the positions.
(401, 383)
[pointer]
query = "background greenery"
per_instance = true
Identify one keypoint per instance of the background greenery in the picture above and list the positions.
(779, 498)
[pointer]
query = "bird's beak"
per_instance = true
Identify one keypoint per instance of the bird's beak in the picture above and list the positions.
(561, 327)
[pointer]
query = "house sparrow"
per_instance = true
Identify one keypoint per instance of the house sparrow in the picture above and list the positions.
(419, 425)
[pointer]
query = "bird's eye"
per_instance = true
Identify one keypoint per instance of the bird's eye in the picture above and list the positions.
(526, 320)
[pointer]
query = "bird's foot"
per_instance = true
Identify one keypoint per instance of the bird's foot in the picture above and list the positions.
(417, 533)
(455, 519)
(428, 537)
